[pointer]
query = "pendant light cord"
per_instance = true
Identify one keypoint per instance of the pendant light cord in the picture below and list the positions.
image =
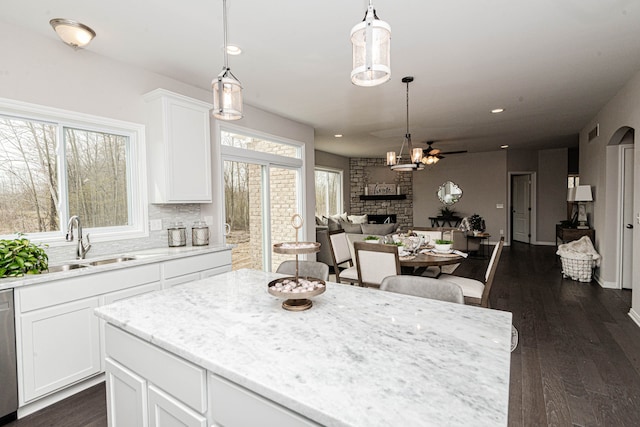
(224, 19)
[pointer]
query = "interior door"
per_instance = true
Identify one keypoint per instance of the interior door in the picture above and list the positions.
(521, 208)
(627, 217)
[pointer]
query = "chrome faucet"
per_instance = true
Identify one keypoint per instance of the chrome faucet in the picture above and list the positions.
(82, 248)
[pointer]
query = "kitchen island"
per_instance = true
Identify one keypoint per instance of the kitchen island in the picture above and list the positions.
(222, 351)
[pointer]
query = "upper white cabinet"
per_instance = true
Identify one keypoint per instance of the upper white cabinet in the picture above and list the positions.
(178, 148)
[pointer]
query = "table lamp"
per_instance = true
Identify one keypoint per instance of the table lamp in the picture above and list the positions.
(581, 196)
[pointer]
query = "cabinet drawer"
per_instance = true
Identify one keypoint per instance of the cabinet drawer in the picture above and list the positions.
(164, 410)
(186, 381)
(197, 263)
(65, 290)
(235, 406)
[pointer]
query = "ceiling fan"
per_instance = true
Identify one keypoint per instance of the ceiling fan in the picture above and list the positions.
(436, 152)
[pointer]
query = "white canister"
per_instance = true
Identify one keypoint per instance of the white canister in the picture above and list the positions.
(200, 234)
(177, 234)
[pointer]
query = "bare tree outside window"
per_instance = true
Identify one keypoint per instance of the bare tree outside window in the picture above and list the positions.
(30, 163)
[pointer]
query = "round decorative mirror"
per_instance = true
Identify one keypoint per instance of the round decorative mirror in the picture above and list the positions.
(449, 193)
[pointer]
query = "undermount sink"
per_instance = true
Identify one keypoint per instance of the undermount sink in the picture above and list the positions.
(63, 267)
(112, 260)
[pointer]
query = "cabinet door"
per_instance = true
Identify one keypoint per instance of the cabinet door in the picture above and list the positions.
(126, 397)
(167, 411)
(60, 345)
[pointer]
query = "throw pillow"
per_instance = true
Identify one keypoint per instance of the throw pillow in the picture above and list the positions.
(333, 224)
(358, 219)
(321, 221)
(351, 228)
(379, 229)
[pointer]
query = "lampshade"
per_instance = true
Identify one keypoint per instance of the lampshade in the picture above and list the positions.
(583, 194)
(72, 32)
(371, 41)
(392, 159)
(227, 90)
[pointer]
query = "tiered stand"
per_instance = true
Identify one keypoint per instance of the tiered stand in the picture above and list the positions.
(296, 301)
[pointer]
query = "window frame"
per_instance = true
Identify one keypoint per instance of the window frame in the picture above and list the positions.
(340, 172)
(136, 169)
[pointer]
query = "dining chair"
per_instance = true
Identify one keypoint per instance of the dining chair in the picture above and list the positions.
(431, 234)
(476, 292)
(425, 287)
(374, 262)
(341, 256)
(315, 269)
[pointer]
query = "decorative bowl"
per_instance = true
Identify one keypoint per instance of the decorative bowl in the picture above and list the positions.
(442, 247)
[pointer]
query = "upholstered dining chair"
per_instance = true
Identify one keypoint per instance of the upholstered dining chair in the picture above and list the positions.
(341, 255)
(425, 287)
(375, 261)
(315, 269)
(431, 234)
(476, 292)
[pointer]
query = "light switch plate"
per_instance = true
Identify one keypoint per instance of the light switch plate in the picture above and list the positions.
(499, 206)
(155, 224)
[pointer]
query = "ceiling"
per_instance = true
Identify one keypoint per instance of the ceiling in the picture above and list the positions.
(552, 64)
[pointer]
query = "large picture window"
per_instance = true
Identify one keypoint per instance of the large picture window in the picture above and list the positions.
(52, 169)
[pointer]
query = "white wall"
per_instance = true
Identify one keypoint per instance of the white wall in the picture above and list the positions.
(621, 111)
(483, 180)
(552, 192)
(45, 71)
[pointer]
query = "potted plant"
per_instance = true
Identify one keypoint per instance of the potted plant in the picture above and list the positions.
(477, 224)
(372, 239)
(442, 245)
(19, 257)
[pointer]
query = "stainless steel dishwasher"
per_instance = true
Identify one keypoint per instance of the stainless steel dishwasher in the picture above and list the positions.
(8, 372)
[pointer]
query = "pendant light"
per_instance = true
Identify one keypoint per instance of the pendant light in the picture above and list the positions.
(371, 40)
(415, 161)
(227, 90)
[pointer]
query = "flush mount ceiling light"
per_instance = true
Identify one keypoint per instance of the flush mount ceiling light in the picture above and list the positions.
(227, 90)
(371, 40)
(72, 32)
(393, 160)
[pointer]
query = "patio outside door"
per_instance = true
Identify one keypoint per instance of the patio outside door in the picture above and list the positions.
(521, 208)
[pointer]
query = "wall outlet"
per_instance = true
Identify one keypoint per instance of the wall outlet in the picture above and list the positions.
(501, 232)
(155, 225)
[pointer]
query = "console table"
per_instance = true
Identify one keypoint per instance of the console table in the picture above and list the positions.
(441, 221)
(570, 234)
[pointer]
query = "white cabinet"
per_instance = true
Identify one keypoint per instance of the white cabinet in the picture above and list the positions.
(60, 345)
(178, 148)
(164, 410)
(126, 397)
(184, 270)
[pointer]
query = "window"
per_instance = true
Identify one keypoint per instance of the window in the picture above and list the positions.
(328, 192)
(52, 167)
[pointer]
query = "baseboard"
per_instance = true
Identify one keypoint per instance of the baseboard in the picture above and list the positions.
(539, 243)
(45, 401)
(605, 284)
(634, 316)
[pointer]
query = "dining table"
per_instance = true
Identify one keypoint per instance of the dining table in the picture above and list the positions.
(417, 263)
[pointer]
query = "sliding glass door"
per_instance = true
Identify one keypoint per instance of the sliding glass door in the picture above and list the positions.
(262, 191)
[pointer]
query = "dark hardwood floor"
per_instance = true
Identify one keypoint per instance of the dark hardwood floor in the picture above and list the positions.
(577, 362)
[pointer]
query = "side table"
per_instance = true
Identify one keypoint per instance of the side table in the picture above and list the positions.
(482, 251)
(570, 234)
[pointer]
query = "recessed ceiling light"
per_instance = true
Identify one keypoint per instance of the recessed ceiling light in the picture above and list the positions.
(497, 110)
(338, 135)
(233, 50)
(504, 146)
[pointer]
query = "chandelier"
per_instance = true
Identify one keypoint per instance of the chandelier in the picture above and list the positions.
(227, 90)
(415, 154)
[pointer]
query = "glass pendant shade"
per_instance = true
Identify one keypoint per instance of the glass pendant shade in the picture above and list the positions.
(416, 155)
(72, 33)
(371, 40)
(227, 96)
(392, 159)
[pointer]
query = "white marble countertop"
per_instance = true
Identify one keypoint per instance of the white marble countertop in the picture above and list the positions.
(358, 357)
(146, 256)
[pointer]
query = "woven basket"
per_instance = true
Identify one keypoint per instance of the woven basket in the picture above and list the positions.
(577, 269)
